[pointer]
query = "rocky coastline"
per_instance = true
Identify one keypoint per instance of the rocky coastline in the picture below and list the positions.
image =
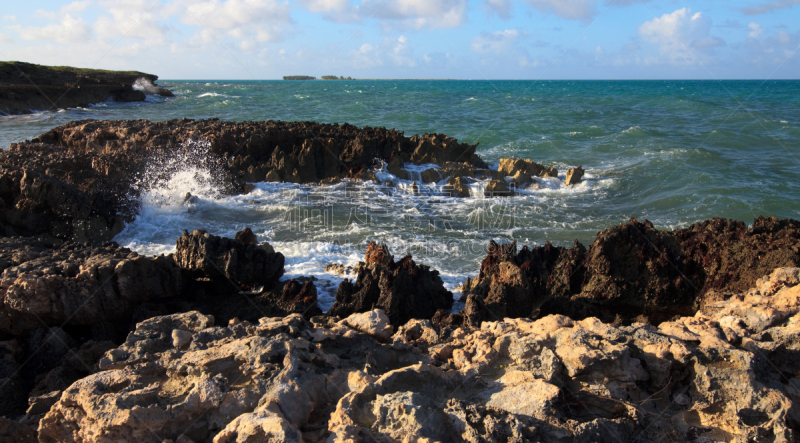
(644, 335)
(27, 88)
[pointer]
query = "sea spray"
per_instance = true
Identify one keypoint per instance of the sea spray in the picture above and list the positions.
(176, 179)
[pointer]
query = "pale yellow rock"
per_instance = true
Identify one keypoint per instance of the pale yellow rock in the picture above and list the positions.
(374, 322)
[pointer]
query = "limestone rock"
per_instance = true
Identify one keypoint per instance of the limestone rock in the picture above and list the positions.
(574, 176)
(497, 188)
(510, 166)
(374, 323)
(457, 187)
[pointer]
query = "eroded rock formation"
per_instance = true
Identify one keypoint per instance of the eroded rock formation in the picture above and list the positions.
(724, 374)
(403, 289)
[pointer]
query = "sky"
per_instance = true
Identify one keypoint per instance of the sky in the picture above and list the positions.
(422, 39)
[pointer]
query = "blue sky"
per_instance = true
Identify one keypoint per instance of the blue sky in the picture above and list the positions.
(461, 39)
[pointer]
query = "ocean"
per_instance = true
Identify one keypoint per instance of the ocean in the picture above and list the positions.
(672, 152)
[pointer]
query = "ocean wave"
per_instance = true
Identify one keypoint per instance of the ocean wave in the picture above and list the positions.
(215, 94)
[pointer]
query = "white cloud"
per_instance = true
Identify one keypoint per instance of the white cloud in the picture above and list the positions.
(5, 39)
(683, 38)
(233, 14)
(76, 6)
(247, 21)
(69, 30)
(769, 7)
(419, 13)
(11, 18)
(401, 54)
(326, 5)
(755, 30)
(139, 19)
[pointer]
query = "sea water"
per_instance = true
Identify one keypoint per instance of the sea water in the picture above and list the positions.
(672, 152)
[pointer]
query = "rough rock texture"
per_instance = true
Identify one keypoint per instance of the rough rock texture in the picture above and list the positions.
(510, 167)
(245, 264)
(724, 374)
(403, 289)
(60, 193)
(497, 188)
(299, 152)
(630, 270)
(25, 87)
(45, 285)
(574, 176)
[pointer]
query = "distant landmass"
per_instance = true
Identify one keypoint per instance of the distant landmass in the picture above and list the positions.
(310, 77)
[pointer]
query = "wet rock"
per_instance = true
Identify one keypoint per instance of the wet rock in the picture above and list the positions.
(430, 175)
(403, 289)
(521, 179)
(497, 188)
(395, 167)
(247, 237)
(246, 265)
(510, 167)
(574, 176)
(457, 169)
(457, 187)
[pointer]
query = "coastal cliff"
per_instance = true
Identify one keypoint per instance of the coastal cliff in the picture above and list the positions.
(26, 87)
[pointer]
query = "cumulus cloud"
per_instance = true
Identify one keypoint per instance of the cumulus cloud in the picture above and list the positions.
(755, 30)
(682, 37)
(769, 7)
(139, 19)
(577, 9)
(247, 21)
(76, 6)
(69, 30)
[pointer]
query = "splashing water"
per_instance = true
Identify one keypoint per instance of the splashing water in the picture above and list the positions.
(145, 85)
(180, 179)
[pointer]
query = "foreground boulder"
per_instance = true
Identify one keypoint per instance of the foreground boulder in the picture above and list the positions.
(403, 289)
(724, 374)
(245, 264)
(47, 285)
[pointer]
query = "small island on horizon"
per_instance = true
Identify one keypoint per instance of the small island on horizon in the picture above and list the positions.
(311, 77)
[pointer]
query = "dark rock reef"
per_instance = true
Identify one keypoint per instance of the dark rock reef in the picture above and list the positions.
(403, 289)
(26, 87)
(632, 272)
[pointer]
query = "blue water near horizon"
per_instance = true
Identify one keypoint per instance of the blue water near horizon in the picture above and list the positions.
(673, 152)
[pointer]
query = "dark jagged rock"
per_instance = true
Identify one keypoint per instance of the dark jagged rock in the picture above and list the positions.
(574, 175)
(78, 285)
(245, 265)
(300, 152)
(25, 87)
(631, 271)
(403, 289)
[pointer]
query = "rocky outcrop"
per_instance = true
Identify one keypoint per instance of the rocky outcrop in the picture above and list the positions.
(26, 87)
(574, 175)
(403, 289)
(299, 152)
(47, 285)
(244, 264)
(630, 272)
(510, 167)
(724, 374)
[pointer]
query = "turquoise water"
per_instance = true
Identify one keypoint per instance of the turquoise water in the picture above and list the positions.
(674, 152)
